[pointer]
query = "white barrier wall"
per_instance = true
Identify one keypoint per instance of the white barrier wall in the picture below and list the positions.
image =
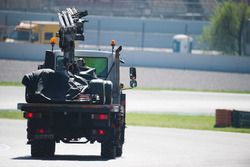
(188, 61)
(142, 58)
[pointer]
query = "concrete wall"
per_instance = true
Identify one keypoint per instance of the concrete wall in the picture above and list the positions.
(142, 58)
(188, 61)
(135, 32)
(107, 23)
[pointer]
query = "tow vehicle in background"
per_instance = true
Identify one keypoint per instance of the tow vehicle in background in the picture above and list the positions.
(39, 32)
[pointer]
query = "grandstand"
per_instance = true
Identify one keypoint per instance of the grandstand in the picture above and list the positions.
(184, 9)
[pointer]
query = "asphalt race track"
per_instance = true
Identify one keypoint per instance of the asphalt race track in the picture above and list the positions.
(13, 70)
(144, 147)
(181, 102)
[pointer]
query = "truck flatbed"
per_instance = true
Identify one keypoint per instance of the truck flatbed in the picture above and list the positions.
(68, 107)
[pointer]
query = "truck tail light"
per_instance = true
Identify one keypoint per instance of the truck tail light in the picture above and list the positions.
(31, 115)
(99, 132)
(41, 131)
(100, 116)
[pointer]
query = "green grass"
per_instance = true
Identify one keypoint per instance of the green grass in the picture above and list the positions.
(11, 114)
(178, 121)
(11, 84)
(157, 120)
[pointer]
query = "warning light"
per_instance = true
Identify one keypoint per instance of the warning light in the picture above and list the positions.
(53, 40)
(113, 43)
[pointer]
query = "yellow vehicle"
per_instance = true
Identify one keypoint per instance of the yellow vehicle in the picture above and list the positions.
(38, 32)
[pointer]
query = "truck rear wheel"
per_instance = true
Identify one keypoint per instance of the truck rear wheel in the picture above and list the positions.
(119, 151)
(108, 150)
(119, 148)
(43, 148)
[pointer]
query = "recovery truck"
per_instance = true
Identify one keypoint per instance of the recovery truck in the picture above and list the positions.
(97, 114)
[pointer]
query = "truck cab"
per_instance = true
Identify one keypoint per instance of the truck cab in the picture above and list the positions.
(101, 61)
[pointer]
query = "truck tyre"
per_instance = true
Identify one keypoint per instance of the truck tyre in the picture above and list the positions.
(119, 148)
(108, 150)
(43, 148)
(119, 151)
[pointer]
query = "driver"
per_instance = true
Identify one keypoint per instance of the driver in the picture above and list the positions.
(86, 71)
(82, 65)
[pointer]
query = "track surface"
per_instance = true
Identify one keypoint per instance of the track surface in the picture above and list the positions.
(13, 70)
(180, 102)
(144, 146)
(155, 101)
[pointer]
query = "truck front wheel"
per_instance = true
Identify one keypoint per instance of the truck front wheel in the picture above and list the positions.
(43, 148)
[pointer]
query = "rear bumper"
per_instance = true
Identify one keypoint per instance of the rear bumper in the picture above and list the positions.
(50, 107)
(68, 122)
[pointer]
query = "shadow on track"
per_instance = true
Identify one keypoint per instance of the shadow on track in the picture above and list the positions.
(65, 158)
